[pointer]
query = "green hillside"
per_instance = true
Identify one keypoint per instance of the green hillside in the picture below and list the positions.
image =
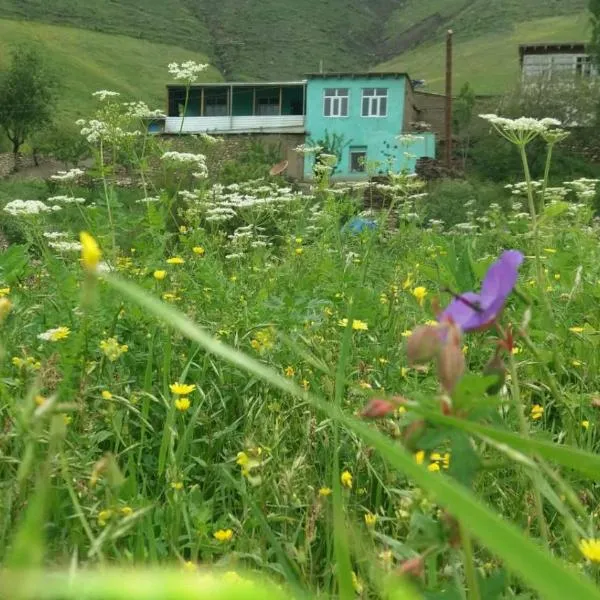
(85, 61)
(276, 39)
(490, 62)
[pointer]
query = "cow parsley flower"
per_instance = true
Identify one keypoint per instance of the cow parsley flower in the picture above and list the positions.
(66, 200)
(18, 208)
(67, 176)
(187, 71)
(65, 246)
(197, 161)
(102, 95)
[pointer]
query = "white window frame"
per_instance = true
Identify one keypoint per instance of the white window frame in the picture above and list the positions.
(375, 97)
(358, 150)
(336, 102)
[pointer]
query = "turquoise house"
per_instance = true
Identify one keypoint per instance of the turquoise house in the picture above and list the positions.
(366, 120)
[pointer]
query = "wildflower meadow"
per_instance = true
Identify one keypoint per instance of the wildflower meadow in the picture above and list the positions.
(264, 390)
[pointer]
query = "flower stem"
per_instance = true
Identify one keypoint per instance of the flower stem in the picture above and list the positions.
(469, 564)
(524, 427)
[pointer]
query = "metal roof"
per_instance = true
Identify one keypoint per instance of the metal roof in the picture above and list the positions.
(354, 75)
(240, 84)
(557, 46)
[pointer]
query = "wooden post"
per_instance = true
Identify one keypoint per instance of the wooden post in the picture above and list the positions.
(201, 102)
(449, 99)
(280, 100)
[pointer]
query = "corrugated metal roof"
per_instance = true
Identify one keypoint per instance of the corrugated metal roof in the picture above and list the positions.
(241, 84)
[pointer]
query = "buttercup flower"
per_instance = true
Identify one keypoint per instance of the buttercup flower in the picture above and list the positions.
(90, 252)
(223, 535)
(199, 250)
(357, 324)
(476, 311)
(537, 412)
(175, 260)
(324, 492)
(370, 519)
(106, 395)
(419, 293)
(346, 479)
(160, 275)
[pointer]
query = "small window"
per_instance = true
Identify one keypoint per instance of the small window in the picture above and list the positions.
(358, 159)
(374, 102)
(216, 102)
(335, 102)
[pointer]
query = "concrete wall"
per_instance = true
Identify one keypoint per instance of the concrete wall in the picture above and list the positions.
(378, 135)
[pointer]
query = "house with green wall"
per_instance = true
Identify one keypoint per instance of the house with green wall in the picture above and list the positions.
(366, 119)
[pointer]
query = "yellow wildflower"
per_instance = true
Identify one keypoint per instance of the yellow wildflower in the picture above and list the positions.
(365, 385)
(407, 282)
(5, 291)
(55, 335)
(223, 535)
(585, 424)
(419, 293)
(420, 457)
(328, 311)
(305, 384)
(357, 584)
(576, 329)
(383, 361)
(406, 333)
(170, 297)
(557, 276)
(299, 251)
(182, 403)
(175, 260)
(182, 389)
(590, 549)
(160, 275)
(346, 479)
(5, 306)
(370, 519)
(126, 511)
(537, 412)
(103, 516)
(177, 485)
(404, 371)
(39, 400)
(106, 395)
(112, 349)
(289, 371)
(357, 324)
(199, 250)
(90, 251)
(183, 229)
(576, 363)
(68, 419)
(324, 492)
(298, 240)
(190, 566)
(433, 467)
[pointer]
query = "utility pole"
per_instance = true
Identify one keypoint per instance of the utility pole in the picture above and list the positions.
(449, 99)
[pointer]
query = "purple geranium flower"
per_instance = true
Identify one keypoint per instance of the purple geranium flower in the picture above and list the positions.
(476, 311)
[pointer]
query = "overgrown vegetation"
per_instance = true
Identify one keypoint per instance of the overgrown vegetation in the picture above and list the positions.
(231, 378)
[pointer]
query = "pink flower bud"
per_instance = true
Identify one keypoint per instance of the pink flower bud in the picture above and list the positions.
(451, 366)
(413, 567)
(423, 344)
(377, 408)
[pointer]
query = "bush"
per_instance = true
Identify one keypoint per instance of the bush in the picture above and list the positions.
(448, 200)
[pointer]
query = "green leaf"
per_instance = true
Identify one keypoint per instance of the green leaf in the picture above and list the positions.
(552, 578)
(555, 209)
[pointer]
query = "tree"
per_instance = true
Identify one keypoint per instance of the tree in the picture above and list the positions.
(27, 96)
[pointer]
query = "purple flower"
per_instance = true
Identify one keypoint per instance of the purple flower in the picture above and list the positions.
(476, 311)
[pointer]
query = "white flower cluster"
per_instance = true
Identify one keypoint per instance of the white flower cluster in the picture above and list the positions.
(522, 123)
(28, 207)
(249, 235)
(148, 200)
(66, 200)
(55, 235)
(65, 246)
(140, 110)
(187, 159)
(67, 176)
(49, 336)
(584, 188)
(408, 139)
(96, 131)
(186, 71)
(306, 149)
(102, 95)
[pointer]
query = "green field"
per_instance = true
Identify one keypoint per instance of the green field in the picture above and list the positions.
(85, 61)
(490, 63)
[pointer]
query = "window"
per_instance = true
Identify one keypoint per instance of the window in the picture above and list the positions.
(267, 105)
(374, 102)
(358, 159)
(584, 66)
(335, 102)
(216, 102)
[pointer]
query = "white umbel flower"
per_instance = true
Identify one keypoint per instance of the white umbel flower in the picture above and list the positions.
(28, 207)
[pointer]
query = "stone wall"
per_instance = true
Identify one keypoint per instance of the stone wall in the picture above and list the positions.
(7, 163)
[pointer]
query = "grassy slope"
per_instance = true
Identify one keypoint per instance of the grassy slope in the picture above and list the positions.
(86, 61)
(490, 62)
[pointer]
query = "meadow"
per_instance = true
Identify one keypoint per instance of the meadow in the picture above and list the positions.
(234, 390)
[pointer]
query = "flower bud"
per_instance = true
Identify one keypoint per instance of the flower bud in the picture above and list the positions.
(423, 344)
(451, 366)
(413, 567)
(377, 408)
